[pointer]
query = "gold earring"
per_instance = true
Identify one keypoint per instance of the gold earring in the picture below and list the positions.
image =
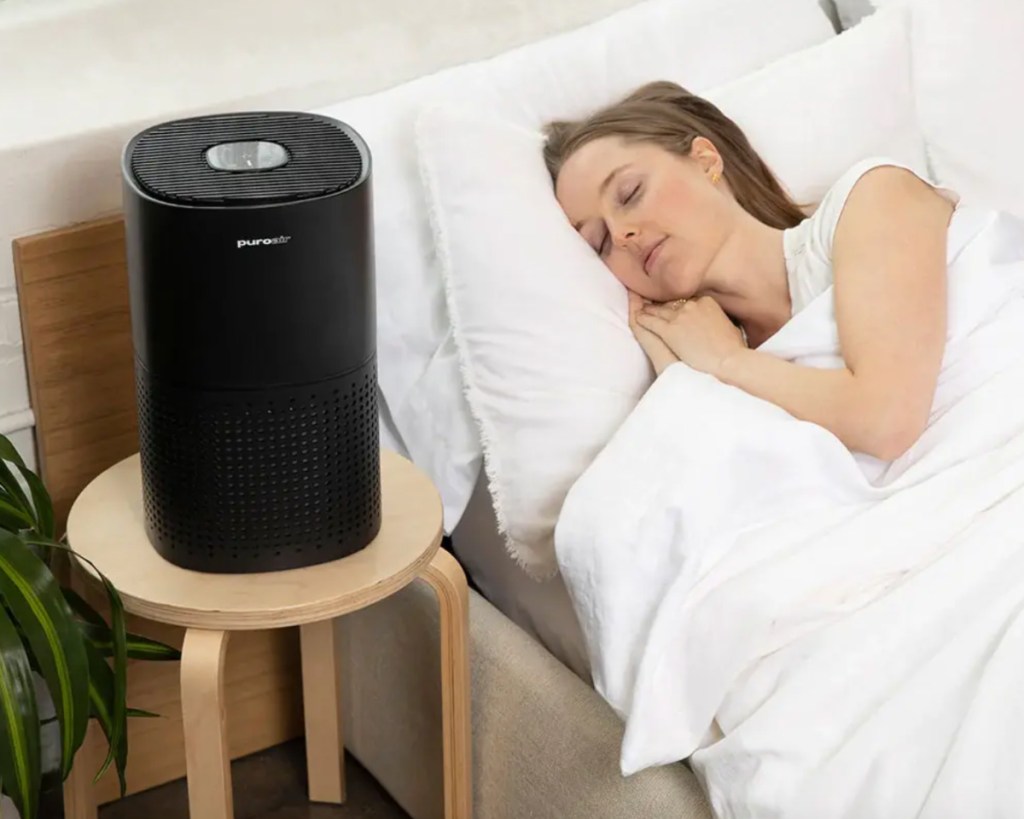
(715, 178)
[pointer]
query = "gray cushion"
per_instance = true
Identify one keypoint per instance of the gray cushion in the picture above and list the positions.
(545, 745)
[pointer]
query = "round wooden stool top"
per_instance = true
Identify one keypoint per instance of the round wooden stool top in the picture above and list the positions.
(106, 526)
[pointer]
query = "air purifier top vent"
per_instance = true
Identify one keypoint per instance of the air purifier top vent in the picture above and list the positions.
(263, 158)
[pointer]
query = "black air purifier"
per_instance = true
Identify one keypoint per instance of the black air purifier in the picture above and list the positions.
(250, 266)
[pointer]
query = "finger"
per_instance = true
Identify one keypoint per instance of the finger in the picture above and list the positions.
(660, 356)
(643, 334)
(662, 311)
(635, 306)
(651, 321)
(656, 350)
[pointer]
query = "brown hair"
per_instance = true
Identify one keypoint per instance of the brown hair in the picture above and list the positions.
(670, 116)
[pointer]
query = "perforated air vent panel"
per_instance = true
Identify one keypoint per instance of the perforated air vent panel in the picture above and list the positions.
(243, 482)
(168, 161)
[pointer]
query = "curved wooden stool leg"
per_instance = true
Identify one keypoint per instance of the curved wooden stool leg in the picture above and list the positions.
(446, 577)
(79, 791)
(207, 763)
(321, 705)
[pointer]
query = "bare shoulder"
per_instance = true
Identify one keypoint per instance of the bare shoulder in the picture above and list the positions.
(889, 198)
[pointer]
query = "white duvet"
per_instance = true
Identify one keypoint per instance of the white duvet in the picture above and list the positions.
(824, 635)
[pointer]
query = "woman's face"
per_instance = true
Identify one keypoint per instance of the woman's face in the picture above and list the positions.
(654, 217)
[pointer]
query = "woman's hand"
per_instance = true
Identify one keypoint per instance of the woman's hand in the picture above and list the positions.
(696, 331)
(657, 351)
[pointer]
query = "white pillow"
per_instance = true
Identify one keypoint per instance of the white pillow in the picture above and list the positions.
(550, 366)
(708, 41)
(813, 114)
(969, 84)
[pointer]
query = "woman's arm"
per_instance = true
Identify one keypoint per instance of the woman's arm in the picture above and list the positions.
(889, 262)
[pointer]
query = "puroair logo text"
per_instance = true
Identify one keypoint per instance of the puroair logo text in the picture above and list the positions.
(276, 240)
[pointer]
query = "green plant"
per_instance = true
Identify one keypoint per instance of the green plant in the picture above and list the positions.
(50, 631)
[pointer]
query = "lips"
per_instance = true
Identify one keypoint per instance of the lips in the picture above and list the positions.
(652, 256)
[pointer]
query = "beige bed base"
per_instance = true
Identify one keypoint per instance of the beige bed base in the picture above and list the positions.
(545, 744)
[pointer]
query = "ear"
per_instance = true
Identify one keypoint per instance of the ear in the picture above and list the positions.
(704, 152)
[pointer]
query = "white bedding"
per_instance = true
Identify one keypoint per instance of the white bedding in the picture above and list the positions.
(825, 635)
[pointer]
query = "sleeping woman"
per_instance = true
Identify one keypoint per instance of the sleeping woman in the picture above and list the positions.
(717, 258)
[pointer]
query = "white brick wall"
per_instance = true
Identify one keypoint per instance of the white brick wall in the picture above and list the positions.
(25, 444)
(15, 415)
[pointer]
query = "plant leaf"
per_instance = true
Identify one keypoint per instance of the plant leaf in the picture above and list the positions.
(19, 723)
(35, 600)
(143, 648)
(119, 717)
(117, 735)
(41, 501)
(97, 631)
(101, 696)
(101, 703)
(9, 452)
(119, 710)
(12, 518)
(42, 507)
(138, 647)
(80, 606)
(12, 488)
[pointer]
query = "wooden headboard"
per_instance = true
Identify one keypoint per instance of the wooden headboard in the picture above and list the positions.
(73, 296)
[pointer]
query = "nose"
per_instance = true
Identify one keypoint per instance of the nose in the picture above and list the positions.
(626, 236)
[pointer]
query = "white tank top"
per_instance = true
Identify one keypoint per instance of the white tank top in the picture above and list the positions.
(808, 246)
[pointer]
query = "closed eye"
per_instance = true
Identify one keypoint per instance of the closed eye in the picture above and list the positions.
(601, 246)
(632, 194)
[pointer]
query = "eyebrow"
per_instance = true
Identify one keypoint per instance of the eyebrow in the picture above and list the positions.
(604, 186)
(608, 179)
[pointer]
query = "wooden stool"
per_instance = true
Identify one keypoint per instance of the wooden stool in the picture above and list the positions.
(106, 526)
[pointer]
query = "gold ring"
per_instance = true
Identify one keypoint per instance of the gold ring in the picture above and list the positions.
(677, 303)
